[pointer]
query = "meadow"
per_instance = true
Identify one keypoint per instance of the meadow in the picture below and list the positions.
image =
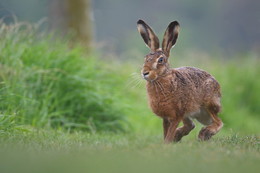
(63, 105)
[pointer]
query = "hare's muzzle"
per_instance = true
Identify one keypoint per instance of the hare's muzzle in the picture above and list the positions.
(145, 74)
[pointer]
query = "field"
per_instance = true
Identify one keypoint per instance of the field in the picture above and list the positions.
(65, 109)
(60, 152)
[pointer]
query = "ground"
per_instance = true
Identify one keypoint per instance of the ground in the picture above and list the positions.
(61, 151)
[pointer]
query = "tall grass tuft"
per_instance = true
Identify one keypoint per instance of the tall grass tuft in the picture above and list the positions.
(43, 83)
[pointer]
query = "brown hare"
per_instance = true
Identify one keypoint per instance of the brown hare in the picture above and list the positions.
(178, 94)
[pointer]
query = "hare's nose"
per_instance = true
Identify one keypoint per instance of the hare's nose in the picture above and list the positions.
(145, 74)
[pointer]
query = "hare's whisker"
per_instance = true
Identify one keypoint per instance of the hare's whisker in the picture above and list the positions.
(135, 84)
(131, 82)
(135, 81)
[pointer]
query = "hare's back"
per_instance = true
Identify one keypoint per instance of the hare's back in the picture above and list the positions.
(198, 80)
(193, 72)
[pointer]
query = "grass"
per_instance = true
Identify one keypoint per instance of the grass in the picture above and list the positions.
(43, 83)
(56, 150)
(64, 110)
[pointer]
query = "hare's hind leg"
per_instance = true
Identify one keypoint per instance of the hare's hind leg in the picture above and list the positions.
(188, 125)
(207, 132)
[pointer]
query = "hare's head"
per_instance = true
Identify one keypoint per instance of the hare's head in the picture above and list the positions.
(156, 62)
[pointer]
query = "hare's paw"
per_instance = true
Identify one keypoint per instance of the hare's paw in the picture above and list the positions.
(205, 134)
(178, 135)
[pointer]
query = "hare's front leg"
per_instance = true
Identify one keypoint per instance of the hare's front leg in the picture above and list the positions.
(188, 125)
(171, 129)
(166, 125)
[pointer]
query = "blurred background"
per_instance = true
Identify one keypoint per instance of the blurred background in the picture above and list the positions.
(230, 27)
(71, 92)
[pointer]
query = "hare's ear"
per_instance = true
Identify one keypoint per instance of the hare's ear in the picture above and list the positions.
(170, 37)
(149, 37)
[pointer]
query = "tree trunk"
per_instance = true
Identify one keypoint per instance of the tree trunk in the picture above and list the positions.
(71, 17)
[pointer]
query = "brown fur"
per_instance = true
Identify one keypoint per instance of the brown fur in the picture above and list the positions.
(179, 94)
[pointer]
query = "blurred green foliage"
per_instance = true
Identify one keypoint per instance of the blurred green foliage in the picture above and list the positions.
(43, 83)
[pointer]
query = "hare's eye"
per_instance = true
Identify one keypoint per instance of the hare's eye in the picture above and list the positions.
(160, 60)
